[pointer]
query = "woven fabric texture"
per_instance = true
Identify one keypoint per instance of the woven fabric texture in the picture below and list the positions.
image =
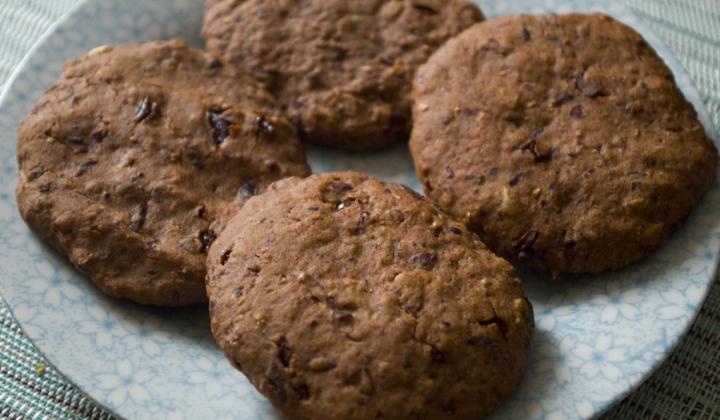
(687, 385)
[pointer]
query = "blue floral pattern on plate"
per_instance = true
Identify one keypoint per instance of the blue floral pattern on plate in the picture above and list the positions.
(597, 336)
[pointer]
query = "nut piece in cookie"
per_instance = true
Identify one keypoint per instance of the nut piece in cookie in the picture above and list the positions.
(344, 297)
(132, 162)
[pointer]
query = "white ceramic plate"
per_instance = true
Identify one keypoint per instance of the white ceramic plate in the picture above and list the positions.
(597, 337)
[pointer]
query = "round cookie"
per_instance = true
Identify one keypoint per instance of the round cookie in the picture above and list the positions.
(342, 69)
(562, 140)
(343, 297)
(132, 162)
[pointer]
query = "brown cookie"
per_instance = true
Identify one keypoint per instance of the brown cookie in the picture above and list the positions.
(343, 297)
(562, 140)
(341, 68)
(131, 163)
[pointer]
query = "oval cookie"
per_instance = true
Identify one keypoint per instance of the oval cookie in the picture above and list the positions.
(343, 297)
(562, 140)
(132, 162)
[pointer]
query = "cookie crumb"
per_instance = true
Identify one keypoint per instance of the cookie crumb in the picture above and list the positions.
(40, 368)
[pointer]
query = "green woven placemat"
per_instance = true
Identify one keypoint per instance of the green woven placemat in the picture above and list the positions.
(687, 385)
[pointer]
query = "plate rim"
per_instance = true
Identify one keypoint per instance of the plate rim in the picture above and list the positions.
(20, 66)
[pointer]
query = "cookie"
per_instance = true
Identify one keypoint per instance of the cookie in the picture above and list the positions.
(132, 162)
(343, 297)
(342, 69)
(562, 140)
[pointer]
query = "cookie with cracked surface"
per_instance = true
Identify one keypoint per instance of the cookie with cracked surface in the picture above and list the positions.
(343, 297)
(341, 68)
(132, 162)
(562, 140)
